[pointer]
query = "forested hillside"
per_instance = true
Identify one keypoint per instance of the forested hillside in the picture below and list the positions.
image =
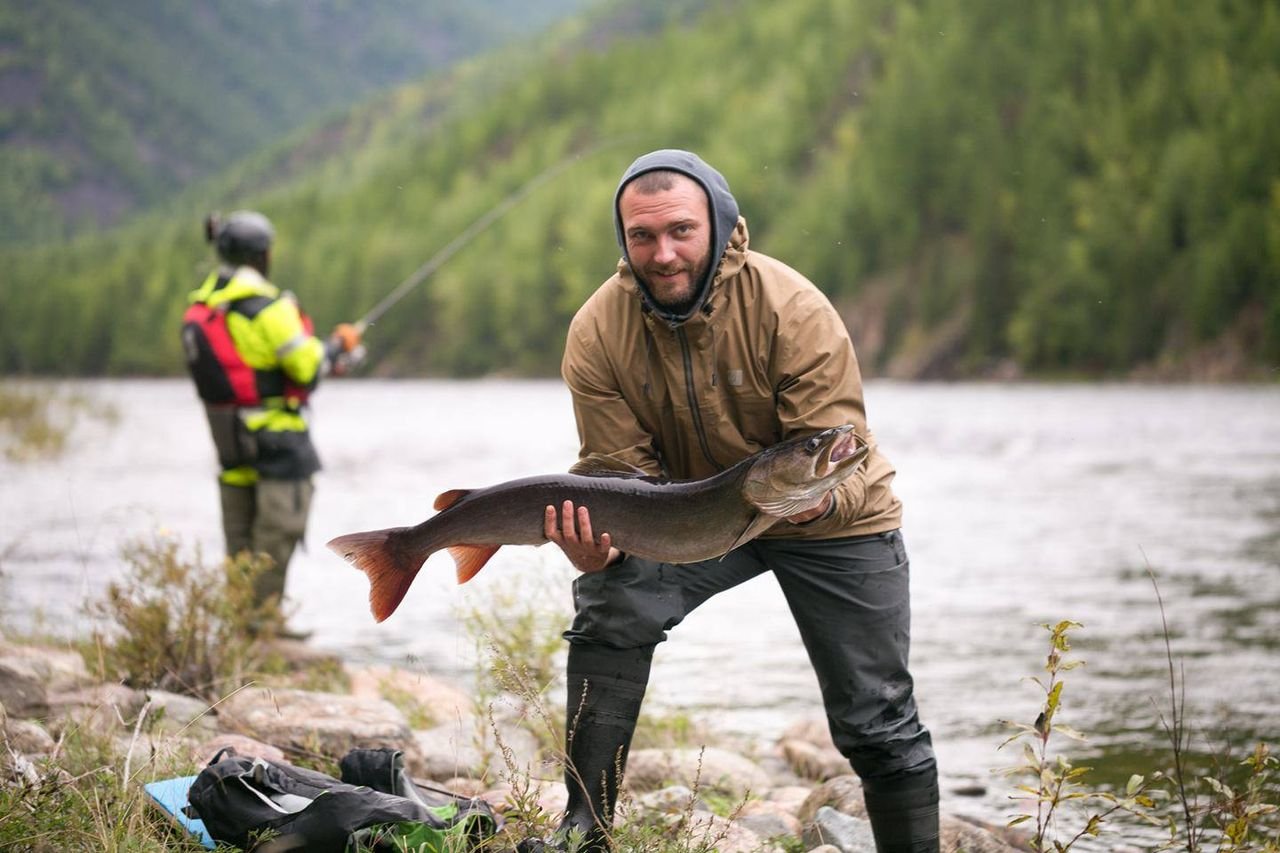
(1085, 188)
(108, 107)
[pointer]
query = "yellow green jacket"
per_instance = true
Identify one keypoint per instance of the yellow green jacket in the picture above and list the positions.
(265, 433)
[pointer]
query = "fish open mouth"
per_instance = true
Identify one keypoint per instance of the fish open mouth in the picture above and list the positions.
(841, 447)
(845, 451)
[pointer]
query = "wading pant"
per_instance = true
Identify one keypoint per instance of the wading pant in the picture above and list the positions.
(270, 518)
(850, 600)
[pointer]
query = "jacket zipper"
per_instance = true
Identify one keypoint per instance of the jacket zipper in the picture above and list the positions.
(693, 400)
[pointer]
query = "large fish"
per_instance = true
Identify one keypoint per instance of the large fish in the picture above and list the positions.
(669, 521)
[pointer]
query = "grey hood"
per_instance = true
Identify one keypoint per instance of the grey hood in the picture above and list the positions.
(723, 207)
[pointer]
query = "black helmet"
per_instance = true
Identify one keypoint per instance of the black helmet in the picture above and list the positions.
(244, 237)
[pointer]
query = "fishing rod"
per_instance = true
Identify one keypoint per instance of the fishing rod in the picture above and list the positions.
(471, 232)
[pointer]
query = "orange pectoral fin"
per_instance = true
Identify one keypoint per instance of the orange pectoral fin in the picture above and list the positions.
(470, 559)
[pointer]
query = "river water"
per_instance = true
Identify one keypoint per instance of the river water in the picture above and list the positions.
(1025, 504)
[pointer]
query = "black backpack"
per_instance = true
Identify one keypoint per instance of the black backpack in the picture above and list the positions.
(272, 806)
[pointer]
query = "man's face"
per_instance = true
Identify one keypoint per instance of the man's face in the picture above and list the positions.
(668, 236)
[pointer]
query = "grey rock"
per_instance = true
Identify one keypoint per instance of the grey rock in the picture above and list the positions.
(241, 745)
(21, 690)
(715, 833)
(809, 761)
(844, 794)
(28, 738)
(771, 825)
(141, 749)
(708, 769)
(785, 798)
(173, 713)
(438, 702)
(105, 709)
(56, 668)
(330, 724)
(446, 751)
(676, 799)
(813, 730)
(847, 833)
(477, 749)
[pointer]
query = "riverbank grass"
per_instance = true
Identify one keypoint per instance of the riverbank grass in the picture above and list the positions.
(183, 624)
(35, 423)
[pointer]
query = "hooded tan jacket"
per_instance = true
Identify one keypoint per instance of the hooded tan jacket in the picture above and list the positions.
(765, 358)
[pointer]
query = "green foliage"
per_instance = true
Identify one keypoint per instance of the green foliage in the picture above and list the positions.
(1234, 817)
(82, 798)
(518, 626)
(685, 831)
(1244, 821)
(35, 424)
(1074, 187)
(113, 107)
(1057, 785)
(183, 626)
(26, 425)
(1245, 817)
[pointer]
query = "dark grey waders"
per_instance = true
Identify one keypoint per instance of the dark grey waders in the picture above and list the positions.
(605, 689)
(851, 604)
(904, 812)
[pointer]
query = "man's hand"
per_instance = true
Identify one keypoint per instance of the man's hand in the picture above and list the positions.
(347, 336)
(343, 348)
(810, 514)
(573, 534)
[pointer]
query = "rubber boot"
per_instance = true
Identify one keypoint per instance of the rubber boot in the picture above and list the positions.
(904, 812)
(605, 689)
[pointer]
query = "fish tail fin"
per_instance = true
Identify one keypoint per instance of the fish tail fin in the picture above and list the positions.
(391, 569)
(470, 559)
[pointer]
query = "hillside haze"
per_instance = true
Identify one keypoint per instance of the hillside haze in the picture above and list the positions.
(992, 188)
(109, 108)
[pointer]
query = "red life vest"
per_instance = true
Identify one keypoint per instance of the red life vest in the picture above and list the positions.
(220, 373)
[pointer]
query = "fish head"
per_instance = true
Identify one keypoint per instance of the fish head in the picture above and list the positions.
(792, 476)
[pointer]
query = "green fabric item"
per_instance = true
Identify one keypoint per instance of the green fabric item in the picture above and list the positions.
(416, 837)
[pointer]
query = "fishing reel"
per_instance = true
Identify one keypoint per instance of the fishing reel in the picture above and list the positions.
(347, 360)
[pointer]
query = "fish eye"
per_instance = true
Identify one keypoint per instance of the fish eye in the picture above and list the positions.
(813, 444)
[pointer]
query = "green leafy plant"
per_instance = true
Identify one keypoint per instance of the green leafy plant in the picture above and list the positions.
(519, 631)
(1056, 784)
(1241, 817)
(182, 625)
(84, 797)
(36, 420)
(1231, 810)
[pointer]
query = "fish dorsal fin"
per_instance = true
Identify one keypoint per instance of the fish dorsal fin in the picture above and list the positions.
(599, 465)
(444, 500)
(470, 559)
(757, 525)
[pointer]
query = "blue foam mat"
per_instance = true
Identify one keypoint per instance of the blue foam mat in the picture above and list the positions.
(171, 796)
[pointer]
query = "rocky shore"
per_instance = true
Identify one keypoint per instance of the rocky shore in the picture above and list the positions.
(799, 795)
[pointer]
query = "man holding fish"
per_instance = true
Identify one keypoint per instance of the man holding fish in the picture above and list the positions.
(696, 354)
(723, 432)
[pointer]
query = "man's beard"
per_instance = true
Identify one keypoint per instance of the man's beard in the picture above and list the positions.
(681, 306)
